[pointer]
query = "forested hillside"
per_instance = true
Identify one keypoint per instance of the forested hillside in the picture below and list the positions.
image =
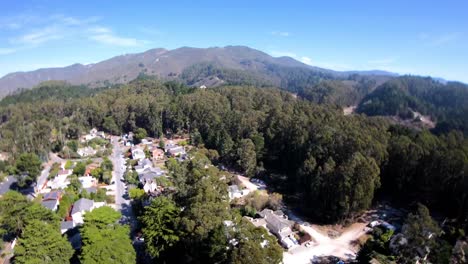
(333, 164)
(447, 103)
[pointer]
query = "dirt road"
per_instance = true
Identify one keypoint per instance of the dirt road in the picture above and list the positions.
(341, 247)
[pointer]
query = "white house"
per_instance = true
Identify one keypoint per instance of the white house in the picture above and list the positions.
(143, 164)
(60, 181)
(86, 151)
(87, 181)
(138, 153)
(82, 206)
(235, 192)
(176, 151)
(150, 186)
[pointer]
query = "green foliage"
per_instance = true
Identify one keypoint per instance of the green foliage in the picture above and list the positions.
(249, 248)
(73, 145)
(421, 231)
(64, 206)
(68, 164)
(131, 177)
(16, 212)
(75, 184)
(109, 125)
(80, 168)
(41, 242)
(54, 170)
(28, 167)
(447, 103)
(50, 90)
(104, 240)
(140, 134)
(247, 157)
(99, 196)
(313, 146)
(136, 193)
(106, 164)
(159, 222)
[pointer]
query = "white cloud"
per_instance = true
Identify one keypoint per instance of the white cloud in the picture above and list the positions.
(73, 21)
(445, 39)
(110, 39)
(5, 51)
(99, 30)
(281, 33)
(59, 26)
(39, 36)
(293, 55)
(276, 53)
(439, 40)
(331, 65)
(306, 60)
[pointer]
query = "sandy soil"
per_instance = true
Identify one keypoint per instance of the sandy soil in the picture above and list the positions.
(349, 110)
(341, 247)
(247, 184)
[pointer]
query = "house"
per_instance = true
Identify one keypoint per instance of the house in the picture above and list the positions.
(50, 204)
(202, 87)
(91, 189)
(138, 153)
(54, 195)
(51, 200)
(86, 152)
(93, 133)
(61, 180)
(176, 151)
(257, 222)
(235, 192)
(147, 141)
(87, 181)
(64, 173)
(158, 154)
(149, 175)
(143, 164)
(279, 225)
(170, 144)
(82, 206)
(150, 186)
(66, 225)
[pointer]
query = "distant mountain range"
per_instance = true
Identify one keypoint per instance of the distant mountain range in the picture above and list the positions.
(195, 66)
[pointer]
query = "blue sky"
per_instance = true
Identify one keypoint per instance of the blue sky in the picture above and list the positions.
(417, 37)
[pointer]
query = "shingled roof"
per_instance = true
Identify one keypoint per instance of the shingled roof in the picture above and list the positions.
(82, 205)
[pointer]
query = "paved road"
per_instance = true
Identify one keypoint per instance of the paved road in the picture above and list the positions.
(122, 202)
(42, 179)
(5, 186)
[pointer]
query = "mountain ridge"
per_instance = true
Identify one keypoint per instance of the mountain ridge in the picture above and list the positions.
(164, 64)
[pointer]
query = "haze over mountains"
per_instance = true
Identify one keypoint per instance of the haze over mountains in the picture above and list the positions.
(195, 66)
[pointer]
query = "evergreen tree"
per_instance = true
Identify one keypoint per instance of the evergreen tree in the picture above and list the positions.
(41, 242)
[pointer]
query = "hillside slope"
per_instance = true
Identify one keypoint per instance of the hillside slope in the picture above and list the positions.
(165, 64)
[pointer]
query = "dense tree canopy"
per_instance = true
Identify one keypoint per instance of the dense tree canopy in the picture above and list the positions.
(325, 156)
(104, 239)
(41, 242)
(16, 212)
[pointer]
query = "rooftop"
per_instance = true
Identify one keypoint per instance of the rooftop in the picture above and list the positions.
(82, 205)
